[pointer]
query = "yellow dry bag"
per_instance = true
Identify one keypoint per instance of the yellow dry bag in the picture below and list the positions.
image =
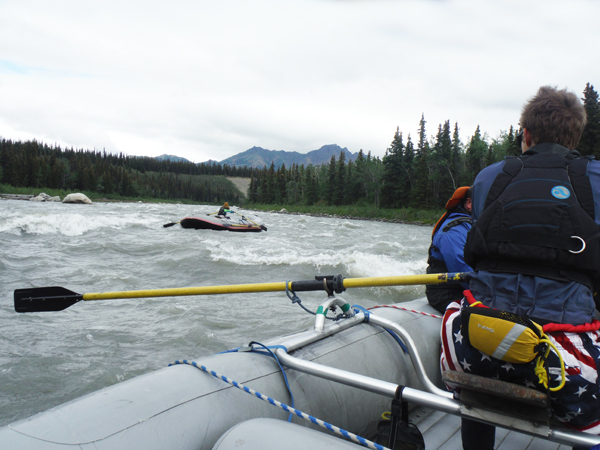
(509, 337)
(501, 334)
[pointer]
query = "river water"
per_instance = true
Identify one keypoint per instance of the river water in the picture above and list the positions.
(49, 358)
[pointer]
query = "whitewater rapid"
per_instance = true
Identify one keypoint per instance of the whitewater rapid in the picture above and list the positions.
(52, 357)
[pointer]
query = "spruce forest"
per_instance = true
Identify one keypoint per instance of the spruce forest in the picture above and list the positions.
(421, 173)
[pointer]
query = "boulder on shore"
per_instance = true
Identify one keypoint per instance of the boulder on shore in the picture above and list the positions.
(43, 197)
(77, 198)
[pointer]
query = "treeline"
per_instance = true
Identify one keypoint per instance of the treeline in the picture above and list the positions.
(416, 175)
(36, 165)
(421, 174)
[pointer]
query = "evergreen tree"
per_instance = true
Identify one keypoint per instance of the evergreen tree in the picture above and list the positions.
(312, 191)
(393, 173)
(504, 145)
(407, 164)
(512, 149)
(490, 158)
(271, 192)
(590, 139)
(374, 172)
(349, 198)
(340, 181)
(331, 188)
(264, 186)
(420, 194)
(281, 192)
(441, 178)
(456, 159)
(477, 153)
(359, 184)
(252, 194)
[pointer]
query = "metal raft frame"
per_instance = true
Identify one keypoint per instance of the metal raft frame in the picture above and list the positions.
(435, 397)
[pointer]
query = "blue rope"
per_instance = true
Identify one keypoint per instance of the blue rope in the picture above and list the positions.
(398, 340)
(280, 367)
(295, 299)
(351, 436)
(394, 335)
(268, 352)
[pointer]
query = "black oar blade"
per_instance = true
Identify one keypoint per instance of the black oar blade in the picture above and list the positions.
(167, 225)
(263, 227)
(53, 298)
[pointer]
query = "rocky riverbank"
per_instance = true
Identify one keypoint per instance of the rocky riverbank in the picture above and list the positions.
(16, 197)
(43, 197)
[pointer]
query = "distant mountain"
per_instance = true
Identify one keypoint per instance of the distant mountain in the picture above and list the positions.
(172, 158)
(259, 157)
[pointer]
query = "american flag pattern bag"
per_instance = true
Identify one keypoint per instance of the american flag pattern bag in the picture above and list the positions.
(577, 404)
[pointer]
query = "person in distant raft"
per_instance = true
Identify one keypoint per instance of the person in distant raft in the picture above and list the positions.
(528, 317)
(224, 210)
(446, 253)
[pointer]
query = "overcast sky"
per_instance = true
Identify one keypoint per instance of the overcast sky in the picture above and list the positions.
(209, 79)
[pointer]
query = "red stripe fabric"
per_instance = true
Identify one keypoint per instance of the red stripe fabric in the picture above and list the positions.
(568, 345)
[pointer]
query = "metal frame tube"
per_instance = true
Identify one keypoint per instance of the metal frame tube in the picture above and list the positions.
(437, 399)
(304, 338)
(412, 351)
(441, 403)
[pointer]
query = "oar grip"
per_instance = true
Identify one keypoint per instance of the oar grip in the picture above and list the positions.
(307, 285)
(329, 283)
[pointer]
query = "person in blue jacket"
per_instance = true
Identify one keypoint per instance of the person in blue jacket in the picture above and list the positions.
(535, 249)
(446, 253)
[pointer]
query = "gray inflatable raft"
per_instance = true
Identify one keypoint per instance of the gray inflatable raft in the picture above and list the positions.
(343, 373)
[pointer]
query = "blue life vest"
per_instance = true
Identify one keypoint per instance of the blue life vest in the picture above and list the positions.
(441, 295)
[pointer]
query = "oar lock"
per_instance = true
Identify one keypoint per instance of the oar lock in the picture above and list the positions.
(332, 283)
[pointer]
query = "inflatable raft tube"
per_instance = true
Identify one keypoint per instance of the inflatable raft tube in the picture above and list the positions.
(183, 407)
(218, 224)
(271, 434)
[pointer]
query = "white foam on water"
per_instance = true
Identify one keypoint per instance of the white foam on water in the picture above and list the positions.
(66, 224)
(359, 260)
(351, 225)
(361, 264)
(323, 234)
(282, 254)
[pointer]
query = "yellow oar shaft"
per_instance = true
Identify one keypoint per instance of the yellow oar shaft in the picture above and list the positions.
(203, 290)
(404, 280)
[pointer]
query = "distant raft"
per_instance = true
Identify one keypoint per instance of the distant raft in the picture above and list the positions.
(222, 223)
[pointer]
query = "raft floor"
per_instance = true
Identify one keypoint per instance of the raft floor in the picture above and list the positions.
(441, 431)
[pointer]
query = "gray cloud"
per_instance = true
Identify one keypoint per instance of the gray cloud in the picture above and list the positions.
(204, 79)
